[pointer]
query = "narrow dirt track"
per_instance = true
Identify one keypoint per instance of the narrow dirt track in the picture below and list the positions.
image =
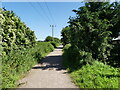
(49, 73)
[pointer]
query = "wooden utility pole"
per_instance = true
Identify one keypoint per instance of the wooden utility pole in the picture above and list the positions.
(53, 30)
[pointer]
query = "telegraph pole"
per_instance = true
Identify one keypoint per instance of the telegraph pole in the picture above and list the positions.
(53, 30)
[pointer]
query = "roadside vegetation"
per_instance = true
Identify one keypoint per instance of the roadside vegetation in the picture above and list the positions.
(18, 63)
(53, 40)
(90, 53)
(19, 49)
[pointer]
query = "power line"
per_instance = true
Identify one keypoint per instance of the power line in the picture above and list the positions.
(42, 9)
(38, 12)
(79, 4)
(49, 12)
(74, 5)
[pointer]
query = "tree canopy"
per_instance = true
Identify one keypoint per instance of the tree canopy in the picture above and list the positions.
(91, 31)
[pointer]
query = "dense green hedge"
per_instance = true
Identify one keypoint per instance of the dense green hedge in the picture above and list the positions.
(88, 41)
(90, 75)
(17, 63)
(75, 59)
(17, 48)
(91, 33)
(15, 34)
(20, 51)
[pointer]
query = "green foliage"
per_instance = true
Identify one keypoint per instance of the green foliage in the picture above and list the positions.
(66, 35)
(17, 63)
(16, 35)
(114, 59)
(74, 59)
(97, 75)
(90, 33)
(20, 50)
(57, 40)
(88, 73)
(89, 36)
(66, 47)
(54, 44)
(48, 38)
(54, 41)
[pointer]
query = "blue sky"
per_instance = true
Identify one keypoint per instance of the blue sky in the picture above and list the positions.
(40, 15)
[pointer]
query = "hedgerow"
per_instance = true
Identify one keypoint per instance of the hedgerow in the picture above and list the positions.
(92, 32)
(15, 34)
(17, 63)
(20, 50)
(94, 74)
(90, 37)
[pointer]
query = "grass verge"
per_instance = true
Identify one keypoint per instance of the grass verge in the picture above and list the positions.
(96, 75)
(90, 75)
(17, 63)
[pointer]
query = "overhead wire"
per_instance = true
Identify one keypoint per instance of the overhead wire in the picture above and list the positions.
(50, 12)
(78, 4)
(74, 5)
(38, 12)
(42, 9)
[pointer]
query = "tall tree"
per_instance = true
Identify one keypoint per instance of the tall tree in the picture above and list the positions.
(92, 30)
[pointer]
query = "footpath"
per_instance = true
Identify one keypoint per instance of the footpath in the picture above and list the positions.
(49, 73)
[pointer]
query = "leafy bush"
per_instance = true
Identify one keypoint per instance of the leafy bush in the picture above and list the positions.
(20, 50)
(87, 72)
(16, 63)
(54, 44)
(54, 41)
(74, 59)
(57, 40)
(65, 33)
(15, 34)
(66, 47)
(90, 34)
(114, 59)
(48, 38)
(97, 75)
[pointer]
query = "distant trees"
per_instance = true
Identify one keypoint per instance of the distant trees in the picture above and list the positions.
(48, 38)
(54, 41)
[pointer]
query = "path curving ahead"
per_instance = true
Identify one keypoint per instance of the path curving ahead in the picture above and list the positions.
(49, 73)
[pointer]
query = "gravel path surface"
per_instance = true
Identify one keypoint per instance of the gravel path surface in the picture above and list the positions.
(49, 73)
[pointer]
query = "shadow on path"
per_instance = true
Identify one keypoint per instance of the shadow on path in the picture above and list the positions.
(52, 61)
(49, 73)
